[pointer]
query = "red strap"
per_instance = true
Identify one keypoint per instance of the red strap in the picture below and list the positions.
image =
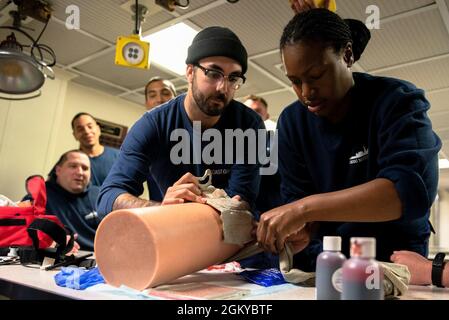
(35, 186)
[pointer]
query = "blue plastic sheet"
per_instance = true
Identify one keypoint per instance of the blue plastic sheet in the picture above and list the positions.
(78, 278)
(266, 278)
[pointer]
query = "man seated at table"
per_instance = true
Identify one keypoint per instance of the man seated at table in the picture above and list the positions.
(71, 197)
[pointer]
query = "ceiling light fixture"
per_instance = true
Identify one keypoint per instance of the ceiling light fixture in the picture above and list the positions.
(131, 51)
(169, 46)
(20, 73)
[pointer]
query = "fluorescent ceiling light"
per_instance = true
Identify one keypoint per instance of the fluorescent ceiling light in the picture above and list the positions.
(443, 163)
(168, 47)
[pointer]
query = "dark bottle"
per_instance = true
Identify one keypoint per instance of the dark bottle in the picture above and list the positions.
(328, 264)
(362, 276)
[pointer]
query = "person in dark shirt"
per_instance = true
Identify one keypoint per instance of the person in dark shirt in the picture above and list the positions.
(87, 132)
(357, 153)
(157, 92)
(216, 64)
(72, 198)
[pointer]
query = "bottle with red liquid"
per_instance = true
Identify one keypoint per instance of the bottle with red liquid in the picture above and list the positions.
(328, 266)
(362, 276)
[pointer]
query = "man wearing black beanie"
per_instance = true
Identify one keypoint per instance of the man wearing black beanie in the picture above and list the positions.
(217, 41)
(216, 65)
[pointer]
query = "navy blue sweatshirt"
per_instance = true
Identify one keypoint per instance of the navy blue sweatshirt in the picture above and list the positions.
(75, 211)
(100, 165)
(386, 134)
(147, 147)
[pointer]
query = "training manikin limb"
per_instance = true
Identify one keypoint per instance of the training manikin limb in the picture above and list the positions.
(146, 247)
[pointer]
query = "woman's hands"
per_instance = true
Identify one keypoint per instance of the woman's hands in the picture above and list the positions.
(282, 224)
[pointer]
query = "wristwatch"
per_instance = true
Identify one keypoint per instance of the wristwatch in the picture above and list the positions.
(437, 269)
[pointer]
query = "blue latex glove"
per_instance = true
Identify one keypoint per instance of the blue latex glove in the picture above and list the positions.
(78, 278)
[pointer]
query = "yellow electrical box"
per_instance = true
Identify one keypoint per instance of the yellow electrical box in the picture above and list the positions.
(332, 4)
(321, 4)
(132, 52)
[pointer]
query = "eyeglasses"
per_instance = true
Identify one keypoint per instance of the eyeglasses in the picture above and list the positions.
(216, 76)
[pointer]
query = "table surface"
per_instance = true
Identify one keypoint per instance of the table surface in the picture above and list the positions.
(26, 282)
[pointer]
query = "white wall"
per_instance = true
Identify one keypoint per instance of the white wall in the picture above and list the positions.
(35, 132)
(27, 128)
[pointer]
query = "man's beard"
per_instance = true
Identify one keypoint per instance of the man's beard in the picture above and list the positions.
(204, 103)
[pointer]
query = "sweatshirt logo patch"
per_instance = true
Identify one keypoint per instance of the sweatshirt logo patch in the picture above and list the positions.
(359, 156)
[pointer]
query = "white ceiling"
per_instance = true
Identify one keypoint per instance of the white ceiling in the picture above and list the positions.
(412, 43)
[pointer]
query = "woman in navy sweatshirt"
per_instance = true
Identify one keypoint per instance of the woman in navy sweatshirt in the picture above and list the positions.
(357, 154)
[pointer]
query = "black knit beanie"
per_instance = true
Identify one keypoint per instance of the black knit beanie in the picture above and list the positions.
(217, 41)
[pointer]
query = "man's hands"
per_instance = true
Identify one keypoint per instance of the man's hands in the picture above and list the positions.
(185, 189)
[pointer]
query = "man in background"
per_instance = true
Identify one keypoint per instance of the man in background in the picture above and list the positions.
(71, 198)
(269, 193)
(87, 132)
(158, 91)
(260, 105)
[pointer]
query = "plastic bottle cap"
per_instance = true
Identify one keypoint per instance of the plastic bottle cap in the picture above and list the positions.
(331, 243)
(363, 247)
